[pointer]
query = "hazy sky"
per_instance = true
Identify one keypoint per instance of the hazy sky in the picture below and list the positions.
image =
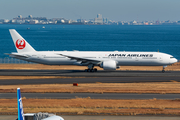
(118, 10)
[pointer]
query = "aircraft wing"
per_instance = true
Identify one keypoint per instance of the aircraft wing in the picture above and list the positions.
(82, 60)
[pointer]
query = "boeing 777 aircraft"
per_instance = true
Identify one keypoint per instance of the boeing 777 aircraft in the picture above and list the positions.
(110, 60)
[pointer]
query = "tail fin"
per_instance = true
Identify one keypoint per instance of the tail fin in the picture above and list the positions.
(20, 43)
(20, 105)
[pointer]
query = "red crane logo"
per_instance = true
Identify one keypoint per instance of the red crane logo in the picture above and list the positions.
(20, 44)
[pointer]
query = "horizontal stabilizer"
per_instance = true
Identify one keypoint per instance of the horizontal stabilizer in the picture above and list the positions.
(16, 55)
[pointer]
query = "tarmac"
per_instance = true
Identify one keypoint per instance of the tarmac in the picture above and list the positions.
(88, 77)
(91, 95)
(89, 80)
(81, 73)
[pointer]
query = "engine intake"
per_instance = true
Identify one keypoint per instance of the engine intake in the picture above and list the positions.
(109, 65)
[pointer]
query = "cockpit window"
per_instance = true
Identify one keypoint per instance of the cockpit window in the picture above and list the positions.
(171, 57)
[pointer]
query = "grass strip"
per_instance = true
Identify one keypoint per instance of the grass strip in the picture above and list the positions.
(151, 87)
(90, 106)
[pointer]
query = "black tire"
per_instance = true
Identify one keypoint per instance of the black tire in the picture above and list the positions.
(163, 71)
(95, 70)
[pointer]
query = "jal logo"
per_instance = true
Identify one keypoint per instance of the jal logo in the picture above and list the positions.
(20, 44)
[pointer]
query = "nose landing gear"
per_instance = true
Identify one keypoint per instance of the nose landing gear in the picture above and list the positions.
(163, 70)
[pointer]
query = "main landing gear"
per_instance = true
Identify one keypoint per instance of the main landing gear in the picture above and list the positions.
(91, 68)
(163, 70)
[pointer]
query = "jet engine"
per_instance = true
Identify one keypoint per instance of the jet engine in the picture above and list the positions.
(109, 65)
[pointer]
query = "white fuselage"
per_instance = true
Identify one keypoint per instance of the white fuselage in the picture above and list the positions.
(121, 58)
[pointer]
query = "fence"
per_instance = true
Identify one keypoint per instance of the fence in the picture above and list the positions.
(8, 60)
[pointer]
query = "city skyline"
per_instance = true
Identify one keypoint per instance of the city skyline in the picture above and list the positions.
(98, 20)
(118, 10)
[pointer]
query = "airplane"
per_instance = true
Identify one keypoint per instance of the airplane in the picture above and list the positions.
(21, 113)
(108, 60)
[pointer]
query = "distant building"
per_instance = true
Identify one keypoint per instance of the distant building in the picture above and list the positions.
(69, 21)
(146, 23)
(19, 16)
(126, 23)
(133, 22)
(150, 23)
(80, 20)
(6, 21)
(105, 20)
(20, 21)
(99, 19)
(30, 16)
(1, 21)
(61, 21)
(12, 21)
(34, 22)
(99, 16)
(157, 22)
(52, 22)
(27, 21)
(120, 23)
(91, 21)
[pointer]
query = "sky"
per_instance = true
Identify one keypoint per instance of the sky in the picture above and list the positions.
(117, 10)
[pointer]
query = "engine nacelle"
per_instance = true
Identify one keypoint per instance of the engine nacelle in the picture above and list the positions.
(109, 65)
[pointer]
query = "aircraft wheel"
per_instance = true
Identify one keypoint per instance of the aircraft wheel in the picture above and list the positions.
(163, 71)
(86, 70)
(90, 70)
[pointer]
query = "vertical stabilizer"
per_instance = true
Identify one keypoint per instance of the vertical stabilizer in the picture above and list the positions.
(20, 43)
(20, 105)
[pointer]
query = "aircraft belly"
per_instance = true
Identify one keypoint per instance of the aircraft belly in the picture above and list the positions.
(141, 62)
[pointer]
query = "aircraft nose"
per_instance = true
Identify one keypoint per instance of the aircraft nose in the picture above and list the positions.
(174, 60)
